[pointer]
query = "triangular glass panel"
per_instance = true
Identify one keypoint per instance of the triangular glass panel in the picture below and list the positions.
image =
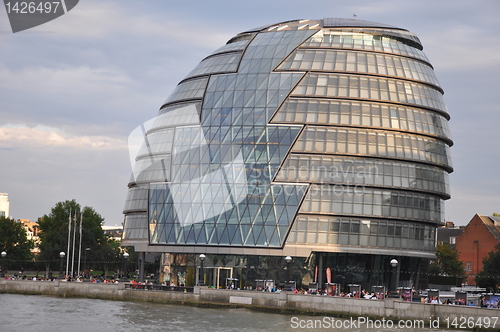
(190, 236)
(278, 211)
(237, 240)
(197, 229)
(228, 98)
(224, 237)
(284, 219)
(251, 239)
(269, 232)
(202, 239)
(231, 230)
(180, 235)
(283, 231)
(212, 236)
(259, 51)
(275, 240)
(267, 213)
(171, 235)
(261, 239)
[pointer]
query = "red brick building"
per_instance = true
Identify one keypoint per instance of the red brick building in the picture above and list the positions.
(479, 237)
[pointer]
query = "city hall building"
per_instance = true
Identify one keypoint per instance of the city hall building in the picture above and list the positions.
(323, 140)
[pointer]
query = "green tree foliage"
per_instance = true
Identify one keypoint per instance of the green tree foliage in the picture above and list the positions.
(447, 262)
(54, 235)
(489, 277)
(496, 214)
(14, 241)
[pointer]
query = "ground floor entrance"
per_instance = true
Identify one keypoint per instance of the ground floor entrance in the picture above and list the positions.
(217, 277)
(320, 269)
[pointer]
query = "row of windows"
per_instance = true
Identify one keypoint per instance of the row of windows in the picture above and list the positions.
(137, 199)
(346, 112)
(157, 142)
(359, 200)
(361, 232)
(403, 36)
(361, 62)
(232, 47)
(160, 136)
(372, 143)
(135, 226)
(353, 86)
(362, 41)
(191, 89)
(363, 171)
(153, 169)
(267, 50)
(222, 63)
(177, 115)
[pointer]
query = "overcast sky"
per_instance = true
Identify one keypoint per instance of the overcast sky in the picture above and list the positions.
(73, 89)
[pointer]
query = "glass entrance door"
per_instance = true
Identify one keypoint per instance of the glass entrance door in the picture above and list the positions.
(216, 276)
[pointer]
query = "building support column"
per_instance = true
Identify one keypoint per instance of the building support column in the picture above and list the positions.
(398, 273)
(320, 270)
(142, 257)
(417, 278)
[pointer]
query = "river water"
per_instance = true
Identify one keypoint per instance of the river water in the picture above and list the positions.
(28, 313)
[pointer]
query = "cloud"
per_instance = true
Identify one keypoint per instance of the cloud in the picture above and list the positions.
(96, 21)
(20, 136)
(43, 165)
(67, 95)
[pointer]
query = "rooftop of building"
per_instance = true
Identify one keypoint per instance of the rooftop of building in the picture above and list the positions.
(493, 225)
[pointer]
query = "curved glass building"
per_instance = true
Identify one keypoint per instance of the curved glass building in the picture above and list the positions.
(324, 140)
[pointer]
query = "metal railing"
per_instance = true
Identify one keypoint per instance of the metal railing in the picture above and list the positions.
(160, 288)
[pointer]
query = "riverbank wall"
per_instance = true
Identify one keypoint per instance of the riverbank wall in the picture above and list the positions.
(285, 302)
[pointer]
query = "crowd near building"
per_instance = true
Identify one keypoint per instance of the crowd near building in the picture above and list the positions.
(325, 141)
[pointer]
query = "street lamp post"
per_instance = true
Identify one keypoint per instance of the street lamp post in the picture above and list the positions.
(201, 281)
(125, 261)
(85, 261)
(2, 273)
(288, 260)
(394, 264)
(61, 255)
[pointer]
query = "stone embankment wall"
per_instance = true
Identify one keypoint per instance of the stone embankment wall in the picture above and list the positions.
(277, 302)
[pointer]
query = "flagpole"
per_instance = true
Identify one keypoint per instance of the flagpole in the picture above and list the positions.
(80, 247)
(73, 251)
(69, 241)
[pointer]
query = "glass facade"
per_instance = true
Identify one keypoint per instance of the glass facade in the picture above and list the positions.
(297, 138)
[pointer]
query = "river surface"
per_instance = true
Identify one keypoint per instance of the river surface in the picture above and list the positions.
(28, 313)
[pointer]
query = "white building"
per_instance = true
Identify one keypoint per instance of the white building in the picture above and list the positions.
(4, 205)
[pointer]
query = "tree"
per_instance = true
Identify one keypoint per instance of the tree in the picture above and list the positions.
(54, 234)
(14, 241)
(496, 214)
(489, 277)
(447, 262)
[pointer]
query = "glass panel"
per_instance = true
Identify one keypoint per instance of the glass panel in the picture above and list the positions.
(373, 114)
(388, 144)
(389, 89)
(345, 60)
(414, 205)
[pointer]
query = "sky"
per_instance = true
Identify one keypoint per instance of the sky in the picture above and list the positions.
(73, 89)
